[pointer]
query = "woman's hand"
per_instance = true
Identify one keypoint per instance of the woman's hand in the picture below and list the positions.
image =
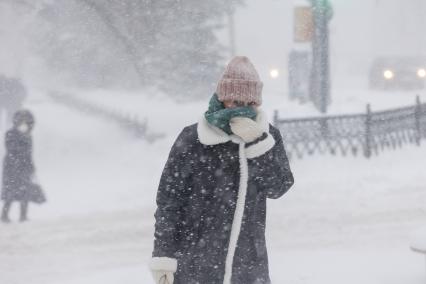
(246, 128)
(163, 276)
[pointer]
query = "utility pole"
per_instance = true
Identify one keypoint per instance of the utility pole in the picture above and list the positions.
(320, 72)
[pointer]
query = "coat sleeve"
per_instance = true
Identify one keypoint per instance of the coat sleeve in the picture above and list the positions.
(171, 199)
(19, 150)
(11, 142)
(269, 165)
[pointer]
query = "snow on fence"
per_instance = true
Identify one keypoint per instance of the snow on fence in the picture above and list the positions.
(368, 133)
(124, 120)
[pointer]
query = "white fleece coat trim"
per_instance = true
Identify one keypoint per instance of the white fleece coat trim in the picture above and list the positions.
(211, 135)
(260, 147)
(238, 215)
(163, 263)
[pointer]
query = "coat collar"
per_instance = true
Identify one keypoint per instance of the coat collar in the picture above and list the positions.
(212, 135)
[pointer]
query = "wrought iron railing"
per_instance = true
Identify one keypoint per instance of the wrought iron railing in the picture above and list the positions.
(359, 134)
(123, 119)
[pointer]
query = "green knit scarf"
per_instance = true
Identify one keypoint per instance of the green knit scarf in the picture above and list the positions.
(220, 116)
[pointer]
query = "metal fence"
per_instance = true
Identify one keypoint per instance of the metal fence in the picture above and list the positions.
(124, 120)
(360, 134)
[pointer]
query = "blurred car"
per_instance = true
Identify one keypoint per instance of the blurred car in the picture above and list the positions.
(398, 73)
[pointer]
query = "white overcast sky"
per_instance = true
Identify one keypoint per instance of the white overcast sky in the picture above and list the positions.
(360, 31)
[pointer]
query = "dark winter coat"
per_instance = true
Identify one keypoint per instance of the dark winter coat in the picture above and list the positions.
(212, 205)
(18, 166)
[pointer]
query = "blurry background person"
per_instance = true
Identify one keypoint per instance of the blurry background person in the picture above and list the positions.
(18, 167)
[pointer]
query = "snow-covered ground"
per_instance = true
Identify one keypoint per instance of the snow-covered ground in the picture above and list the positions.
(346, 220)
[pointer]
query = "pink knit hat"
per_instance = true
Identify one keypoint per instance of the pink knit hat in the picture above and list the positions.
(240, 82)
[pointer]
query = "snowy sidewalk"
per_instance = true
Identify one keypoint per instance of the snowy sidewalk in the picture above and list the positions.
(345, 221)
(53, 251)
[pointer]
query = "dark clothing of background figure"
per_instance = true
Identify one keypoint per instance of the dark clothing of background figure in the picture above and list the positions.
(18, 167)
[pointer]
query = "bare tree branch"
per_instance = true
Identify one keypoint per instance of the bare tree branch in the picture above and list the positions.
(131, 50)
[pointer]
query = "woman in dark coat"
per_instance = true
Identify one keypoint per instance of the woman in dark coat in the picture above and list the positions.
(210, 219)
(18, 167)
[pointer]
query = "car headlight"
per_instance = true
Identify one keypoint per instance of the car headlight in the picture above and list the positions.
(274, 73)
(421, 73)
(388, 74)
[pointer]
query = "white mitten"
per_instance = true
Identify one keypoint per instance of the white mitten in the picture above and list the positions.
(163, 276)
(248, 129)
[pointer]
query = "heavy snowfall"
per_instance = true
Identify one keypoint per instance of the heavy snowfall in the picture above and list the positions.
(347, 219)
